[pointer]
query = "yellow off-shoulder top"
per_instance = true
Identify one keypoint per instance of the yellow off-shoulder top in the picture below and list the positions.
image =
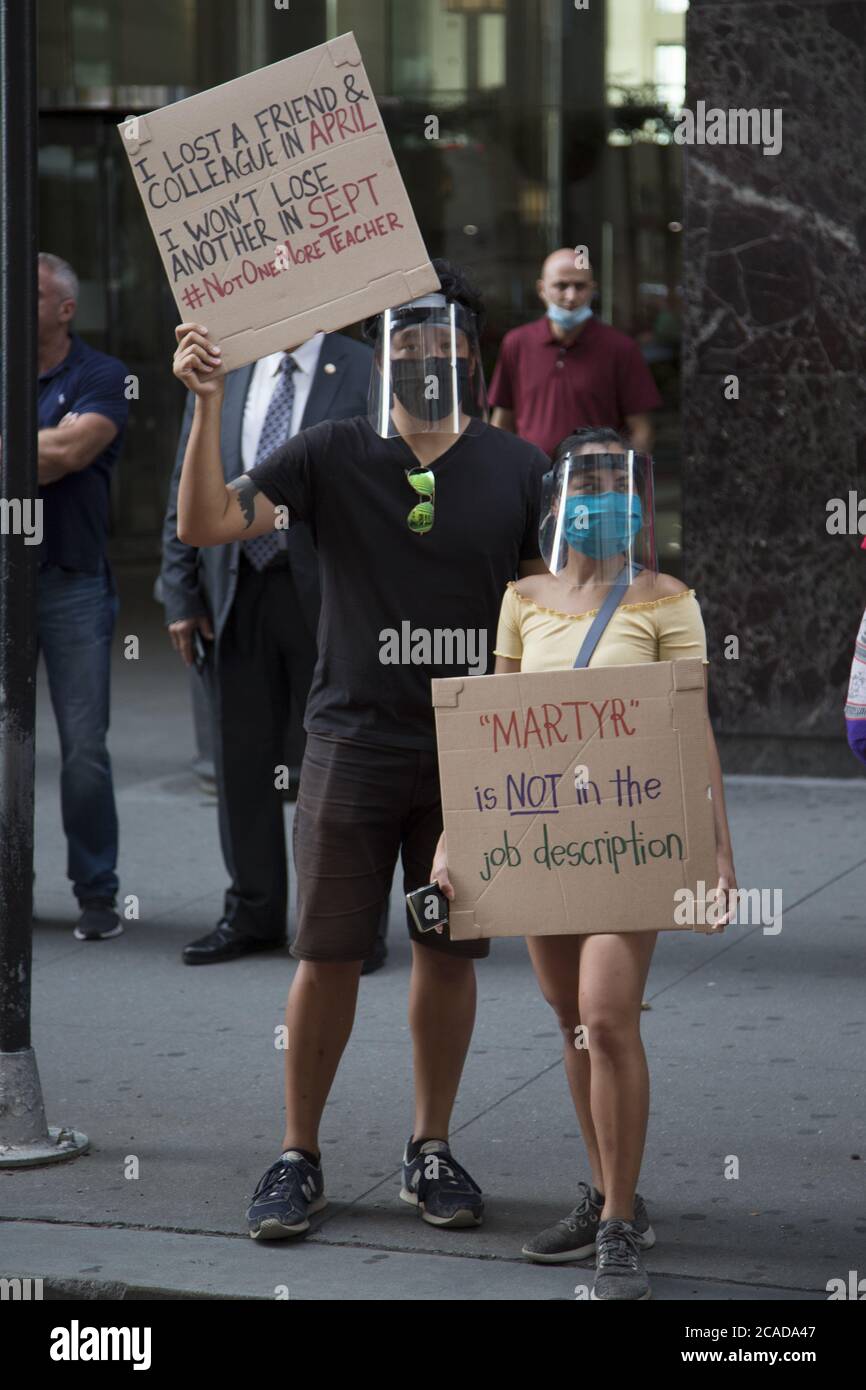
(541, 639)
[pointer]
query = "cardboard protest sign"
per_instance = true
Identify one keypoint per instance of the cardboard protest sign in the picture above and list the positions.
(277, 204)
(575, 801)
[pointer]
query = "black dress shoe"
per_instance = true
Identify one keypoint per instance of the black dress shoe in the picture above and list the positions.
(224, 943)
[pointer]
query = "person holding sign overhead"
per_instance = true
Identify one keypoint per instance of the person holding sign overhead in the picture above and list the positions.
(421, 513)
(602, 603)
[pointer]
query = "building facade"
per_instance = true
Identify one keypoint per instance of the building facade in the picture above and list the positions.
(556, 123)
(776, 298)
(541, 109)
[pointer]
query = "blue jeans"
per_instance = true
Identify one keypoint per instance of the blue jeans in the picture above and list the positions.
(76, 617)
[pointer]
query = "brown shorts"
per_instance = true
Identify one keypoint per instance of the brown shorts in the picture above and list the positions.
(360, 806)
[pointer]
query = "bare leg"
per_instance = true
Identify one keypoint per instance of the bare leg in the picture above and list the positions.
(441, 1016)
(613, 972)
(320, 1012)
(556, 962)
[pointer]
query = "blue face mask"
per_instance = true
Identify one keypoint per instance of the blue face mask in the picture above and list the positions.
(568, 318)
(602, 524)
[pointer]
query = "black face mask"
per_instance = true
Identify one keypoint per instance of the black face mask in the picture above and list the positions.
(409, 380)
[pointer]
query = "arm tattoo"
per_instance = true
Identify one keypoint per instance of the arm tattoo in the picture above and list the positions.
(246, 493)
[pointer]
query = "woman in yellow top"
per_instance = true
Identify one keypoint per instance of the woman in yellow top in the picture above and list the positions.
(597, 534)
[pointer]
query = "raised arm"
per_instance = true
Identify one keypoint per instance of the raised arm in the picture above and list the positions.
(210, 511)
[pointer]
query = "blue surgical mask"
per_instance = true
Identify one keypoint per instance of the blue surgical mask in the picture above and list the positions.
(602, 524)
(568, 318)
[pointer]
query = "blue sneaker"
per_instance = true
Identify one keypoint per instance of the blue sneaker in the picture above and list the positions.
(443, 1192)
(291, 1191)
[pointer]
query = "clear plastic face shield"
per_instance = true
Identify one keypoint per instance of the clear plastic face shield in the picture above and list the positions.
(427, 374)
(598, 514)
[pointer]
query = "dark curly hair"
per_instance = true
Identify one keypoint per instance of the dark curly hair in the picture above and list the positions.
(457, 287)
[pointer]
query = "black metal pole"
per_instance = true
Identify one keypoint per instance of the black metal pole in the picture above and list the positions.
(18, 368)
(25, 1138)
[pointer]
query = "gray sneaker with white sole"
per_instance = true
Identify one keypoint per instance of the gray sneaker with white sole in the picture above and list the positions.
(619, 1271)
(574, 1236)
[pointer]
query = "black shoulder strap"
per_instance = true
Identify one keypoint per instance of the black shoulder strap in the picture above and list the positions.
(617, 592)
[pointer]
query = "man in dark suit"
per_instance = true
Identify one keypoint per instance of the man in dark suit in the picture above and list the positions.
(257, 608)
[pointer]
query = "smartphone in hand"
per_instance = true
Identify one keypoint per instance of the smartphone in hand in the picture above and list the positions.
(429, 908)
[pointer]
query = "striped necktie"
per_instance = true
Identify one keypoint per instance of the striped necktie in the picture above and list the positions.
(275, 431)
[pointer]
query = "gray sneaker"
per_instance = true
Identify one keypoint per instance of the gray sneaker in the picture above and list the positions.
(620, 1273)
(573, 1238)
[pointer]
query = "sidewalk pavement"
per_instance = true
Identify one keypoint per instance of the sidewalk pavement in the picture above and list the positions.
(755, 1044)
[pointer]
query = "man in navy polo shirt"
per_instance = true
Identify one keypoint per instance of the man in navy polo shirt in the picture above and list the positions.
(569, 370)
(82, 417)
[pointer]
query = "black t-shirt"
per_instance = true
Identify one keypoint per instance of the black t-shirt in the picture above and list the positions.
(430, 603)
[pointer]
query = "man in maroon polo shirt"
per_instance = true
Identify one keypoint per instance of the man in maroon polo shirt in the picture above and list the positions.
(569, 370)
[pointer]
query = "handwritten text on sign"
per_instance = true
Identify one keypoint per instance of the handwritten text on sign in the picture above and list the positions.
(299, 216)
(570, 719)
(277, 205)
(574, 801)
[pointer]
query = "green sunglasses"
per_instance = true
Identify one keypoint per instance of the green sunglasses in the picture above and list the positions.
(420, 519)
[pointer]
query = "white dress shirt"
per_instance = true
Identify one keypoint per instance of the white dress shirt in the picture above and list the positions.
(262, 386)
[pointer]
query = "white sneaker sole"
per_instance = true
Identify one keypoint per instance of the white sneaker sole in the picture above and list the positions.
(583, 1252)
(594, 1298)
(564, 1257)
(97, 936)
(272, 1229)
(459, 1219)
